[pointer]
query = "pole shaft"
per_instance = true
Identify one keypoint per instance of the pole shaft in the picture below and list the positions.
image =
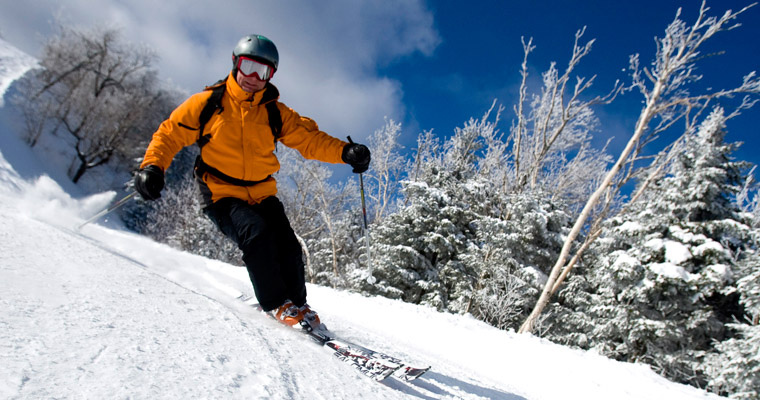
(366, 225)
(109, 209)
(370, 278)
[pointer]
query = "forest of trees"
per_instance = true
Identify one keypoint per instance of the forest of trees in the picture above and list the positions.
(649, 255)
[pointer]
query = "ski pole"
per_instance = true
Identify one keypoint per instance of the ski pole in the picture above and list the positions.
(108, 209)
(370, 279)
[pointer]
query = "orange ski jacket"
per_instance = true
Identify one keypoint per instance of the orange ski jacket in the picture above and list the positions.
(241, 142)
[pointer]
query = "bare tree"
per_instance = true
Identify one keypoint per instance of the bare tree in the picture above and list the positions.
(387, 167)
(749, 199)
(558, 120)
(98, 92)
(666, 99)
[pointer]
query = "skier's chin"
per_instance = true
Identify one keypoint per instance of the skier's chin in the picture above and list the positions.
(252, 87)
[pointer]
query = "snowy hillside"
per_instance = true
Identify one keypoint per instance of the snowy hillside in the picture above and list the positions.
(13, 64)
(104, 313)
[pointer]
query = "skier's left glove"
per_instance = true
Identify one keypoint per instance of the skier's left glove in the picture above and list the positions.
(149, 182)
(358, 156)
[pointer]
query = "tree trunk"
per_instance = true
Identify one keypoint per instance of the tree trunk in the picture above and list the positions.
(641, 126)
(80, 171)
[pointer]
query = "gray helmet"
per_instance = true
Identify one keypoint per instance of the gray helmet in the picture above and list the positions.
(257, 47)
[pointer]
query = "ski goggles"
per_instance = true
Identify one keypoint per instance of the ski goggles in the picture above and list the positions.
(249, 67)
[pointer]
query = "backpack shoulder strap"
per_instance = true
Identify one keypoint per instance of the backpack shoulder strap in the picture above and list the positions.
(213, 104)
(275, 119)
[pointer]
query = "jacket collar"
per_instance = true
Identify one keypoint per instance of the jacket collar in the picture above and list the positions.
(269, 93)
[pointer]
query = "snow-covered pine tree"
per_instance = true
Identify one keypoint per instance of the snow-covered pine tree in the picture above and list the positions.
(461, 243)
(735, 369)
(527, 186)
(512, 255)
(663, 287)
(467, 238)
(418, 248)
(334, 252)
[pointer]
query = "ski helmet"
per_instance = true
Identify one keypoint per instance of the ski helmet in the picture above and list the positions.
(257, 47)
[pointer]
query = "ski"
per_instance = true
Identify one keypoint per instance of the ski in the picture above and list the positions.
(373, 364)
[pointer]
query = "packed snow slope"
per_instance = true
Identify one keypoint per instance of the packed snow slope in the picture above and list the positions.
(104, 313)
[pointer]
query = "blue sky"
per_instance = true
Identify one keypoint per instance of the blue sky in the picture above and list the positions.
(480, 54)
(428, 64)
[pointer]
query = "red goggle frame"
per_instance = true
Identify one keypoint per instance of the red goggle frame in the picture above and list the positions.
(249, 67)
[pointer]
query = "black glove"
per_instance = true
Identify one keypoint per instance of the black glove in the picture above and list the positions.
(357, 155)
(149, 182)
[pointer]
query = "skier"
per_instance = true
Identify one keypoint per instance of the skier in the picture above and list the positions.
(234, 171)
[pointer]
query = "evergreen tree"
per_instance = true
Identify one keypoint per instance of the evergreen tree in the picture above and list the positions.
(461, 244)
(735, 369)
(418, 248)
(664, 286)
(512, 255)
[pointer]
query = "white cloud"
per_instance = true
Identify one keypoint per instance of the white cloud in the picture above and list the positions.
(329, 51)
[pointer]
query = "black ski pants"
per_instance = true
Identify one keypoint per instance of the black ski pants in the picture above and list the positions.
(271, 251)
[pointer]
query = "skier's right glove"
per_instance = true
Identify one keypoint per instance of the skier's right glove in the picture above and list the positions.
(149, 182)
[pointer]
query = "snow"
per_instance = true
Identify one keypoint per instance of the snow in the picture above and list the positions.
(655, 244)
(631, 227)
(720, 271)
(105, 313)
(13, 64)
(686, 236)
(670, 270)
(709, 246)
(623, 260)
(676, 252)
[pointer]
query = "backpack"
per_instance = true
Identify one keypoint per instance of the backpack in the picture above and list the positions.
(213, 104)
